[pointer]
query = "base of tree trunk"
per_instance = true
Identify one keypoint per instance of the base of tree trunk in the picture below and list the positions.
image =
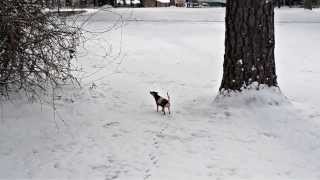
(266, 96)
(249, 45)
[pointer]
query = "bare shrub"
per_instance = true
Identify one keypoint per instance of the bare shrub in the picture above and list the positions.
(36, 48)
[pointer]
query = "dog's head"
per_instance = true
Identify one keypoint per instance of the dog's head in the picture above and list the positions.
(153, 93)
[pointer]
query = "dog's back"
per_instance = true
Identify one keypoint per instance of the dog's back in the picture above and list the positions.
(162, 102)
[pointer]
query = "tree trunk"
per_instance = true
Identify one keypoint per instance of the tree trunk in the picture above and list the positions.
(279, 3)
(249, 44)
(308, 4)
(172, 3)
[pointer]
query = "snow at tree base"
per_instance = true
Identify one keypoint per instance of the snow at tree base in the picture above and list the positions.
(109, 129)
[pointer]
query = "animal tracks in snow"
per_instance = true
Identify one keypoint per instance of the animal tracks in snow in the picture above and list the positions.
(112, 168)
(154, 155)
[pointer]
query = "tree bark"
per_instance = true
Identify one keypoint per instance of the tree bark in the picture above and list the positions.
(249, 44)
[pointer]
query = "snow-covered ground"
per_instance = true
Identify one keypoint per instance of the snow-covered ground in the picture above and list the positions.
(109, 129)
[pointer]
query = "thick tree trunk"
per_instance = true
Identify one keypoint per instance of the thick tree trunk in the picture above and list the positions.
(249, 44)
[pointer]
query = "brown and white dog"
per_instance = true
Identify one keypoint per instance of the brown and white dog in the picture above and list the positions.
(160, 101)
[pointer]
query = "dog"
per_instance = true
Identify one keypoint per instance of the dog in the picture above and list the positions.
(160, 101)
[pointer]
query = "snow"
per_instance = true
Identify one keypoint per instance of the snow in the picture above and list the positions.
(164, 1)
(108, 129)
(129, 1)
(87, 10)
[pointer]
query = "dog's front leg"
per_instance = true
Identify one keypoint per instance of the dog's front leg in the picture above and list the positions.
(157, 108)
(163, 110)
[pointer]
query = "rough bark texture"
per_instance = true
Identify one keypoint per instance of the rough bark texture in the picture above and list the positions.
(249, 44)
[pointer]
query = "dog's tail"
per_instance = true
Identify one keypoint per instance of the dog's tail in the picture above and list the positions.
(168, 96)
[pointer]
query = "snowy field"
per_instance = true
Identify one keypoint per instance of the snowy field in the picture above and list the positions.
(109, 128)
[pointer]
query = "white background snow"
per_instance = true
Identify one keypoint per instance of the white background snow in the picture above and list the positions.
(109, 129)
